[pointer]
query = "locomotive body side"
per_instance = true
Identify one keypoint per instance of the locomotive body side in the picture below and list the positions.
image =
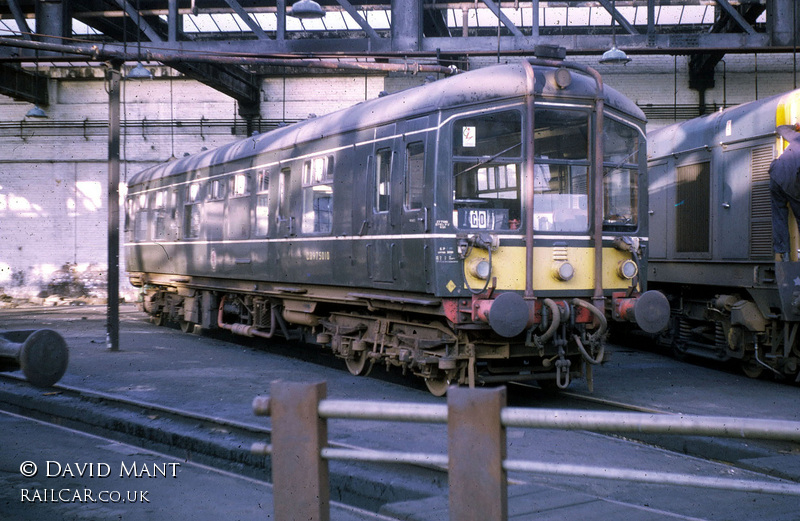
(413, 230)
(711, 237)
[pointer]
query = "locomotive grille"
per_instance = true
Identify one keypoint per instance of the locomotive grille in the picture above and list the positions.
(760, 208)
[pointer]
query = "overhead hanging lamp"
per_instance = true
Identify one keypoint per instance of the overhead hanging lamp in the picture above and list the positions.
(36, 112)
(614, 56)
(305, 9)
(139, 72)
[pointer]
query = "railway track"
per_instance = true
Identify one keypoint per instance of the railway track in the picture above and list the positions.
(214, 441)
(224, 444)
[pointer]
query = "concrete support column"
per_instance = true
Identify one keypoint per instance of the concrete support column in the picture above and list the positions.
(54, 21)
(783, 21)
(174, 20)
(406, 25)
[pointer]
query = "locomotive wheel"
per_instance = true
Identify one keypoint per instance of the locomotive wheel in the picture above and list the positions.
(358, 364)
(438, 385)
(751, 367)
(158, 319)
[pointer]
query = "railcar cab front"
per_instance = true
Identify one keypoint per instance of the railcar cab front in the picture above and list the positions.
(545, 204)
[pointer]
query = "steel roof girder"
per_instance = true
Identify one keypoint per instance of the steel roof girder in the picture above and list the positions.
(597, 44)
(503, 18)
(616, 15)
(246, 18)
(737, 17)
(348, 7)
(143, 26)
(23, 85)
(19, 18)
(231, 80)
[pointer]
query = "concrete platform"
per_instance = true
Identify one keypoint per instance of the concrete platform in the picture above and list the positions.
(214, 377)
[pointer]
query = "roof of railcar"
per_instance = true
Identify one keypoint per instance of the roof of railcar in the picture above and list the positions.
(479, 86)
(745, 121)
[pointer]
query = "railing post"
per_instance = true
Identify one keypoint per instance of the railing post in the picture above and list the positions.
(301, 486)
(476, 450)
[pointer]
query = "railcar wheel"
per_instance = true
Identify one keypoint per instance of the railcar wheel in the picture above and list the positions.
(158, 319)
(187, 326)
(437, 385)
(358, 364)
(751, 367)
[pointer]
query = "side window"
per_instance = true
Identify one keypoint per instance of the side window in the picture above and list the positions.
(238, 219)
(160, 211)
(318, 195)
(383, 175)
(415, 175)
(262, 204)
(191, 212)
(240, 185)
(141, 221)
(216, 190)
(283, 199)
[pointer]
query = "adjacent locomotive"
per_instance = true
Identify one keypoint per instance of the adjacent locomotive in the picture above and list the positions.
(711, 238)
(481, 228)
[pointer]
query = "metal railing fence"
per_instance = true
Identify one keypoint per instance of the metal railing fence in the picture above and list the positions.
(476, 420)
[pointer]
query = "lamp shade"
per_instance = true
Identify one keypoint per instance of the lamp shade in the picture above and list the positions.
(614, 56)
(140, 73)
(36, 112)
(306, 9)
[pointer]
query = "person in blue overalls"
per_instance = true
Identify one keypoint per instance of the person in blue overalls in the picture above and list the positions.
(784, 188)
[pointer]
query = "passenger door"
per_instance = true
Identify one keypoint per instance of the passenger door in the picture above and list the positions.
(416, 186)
(658, 222)
(416, 200)
(383, 207)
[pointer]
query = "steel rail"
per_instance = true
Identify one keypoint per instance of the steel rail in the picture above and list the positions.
(660, 478)
(581, 471)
